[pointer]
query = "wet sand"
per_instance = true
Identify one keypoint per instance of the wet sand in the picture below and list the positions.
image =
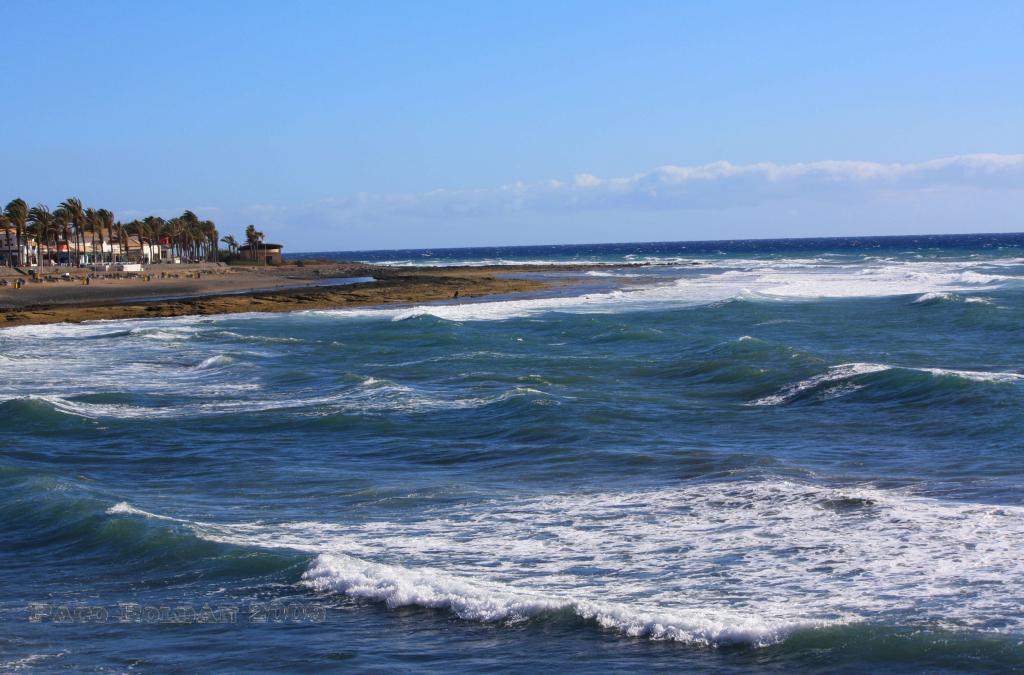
(220, 290)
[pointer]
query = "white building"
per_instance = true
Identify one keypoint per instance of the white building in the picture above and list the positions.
(9, 248)
(88, 252)
(135, 250)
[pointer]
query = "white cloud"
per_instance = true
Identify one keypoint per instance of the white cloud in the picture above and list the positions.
(961, 193)
(716, 185)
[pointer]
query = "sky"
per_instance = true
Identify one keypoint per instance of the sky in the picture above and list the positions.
(366, 125)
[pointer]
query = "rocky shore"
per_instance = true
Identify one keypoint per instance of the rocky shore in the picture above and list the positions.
(210, 289)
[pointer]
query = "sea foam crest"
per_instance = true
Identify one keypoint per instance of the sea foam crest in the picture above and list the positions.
(371, 397)
(838, 373)
(724, 280)
(398, 586)
(837, 380)
(126, 509)
(934, 296)
(975, 375)
(214, 361)
(746, 561)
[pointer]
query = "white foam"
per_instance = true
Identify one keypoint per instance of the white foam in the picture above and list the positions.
(214, 361)
(28, 662)
(369, 397)
(486, 311)
(933, 297)
(482, 262)
(164, 335)
(838, 373)
(707, 563)
(976, 375)
(712, 281)
(126, 509)
(722, 280)
(270, 339)
(398, 586)
(618, 275)
(115, 370)
(844, 372)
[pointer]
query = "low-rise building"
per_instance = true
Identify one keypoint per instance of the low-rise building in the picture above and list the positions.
(137, 250)
(264, 253)
(9, 248)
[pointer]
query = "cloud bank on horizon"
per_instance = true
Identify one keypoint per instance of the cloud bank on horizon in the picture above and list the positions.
(716, 185)
(978, 192)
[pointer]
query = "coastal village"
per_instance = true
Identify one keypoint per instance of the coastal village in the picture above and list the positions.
(80, 264)
(29, 251)
(75, 243)
(72, 235)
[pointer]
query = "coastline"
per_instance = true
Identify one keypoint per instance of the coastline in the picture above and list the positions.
(216, 290)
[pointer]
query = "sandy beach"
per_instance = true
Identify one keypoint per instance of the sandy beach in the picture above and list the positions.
(216, 289)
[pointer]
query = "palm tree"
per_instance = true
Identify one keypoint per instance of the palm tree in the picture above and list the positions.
(131, 229)
(62, 229)
(105, 221)
(17, 215)
(152, 228)
(253, 238)
(122, 239)
(98, 221)
(210, 236)
(76, 214)
(91, 225)
(250, 240)
(232, 244)
(188, 228)
(172, 232)
(43, 223)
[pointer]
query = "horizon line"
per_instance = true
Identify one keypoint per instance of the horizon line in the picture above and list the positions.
(672, 241)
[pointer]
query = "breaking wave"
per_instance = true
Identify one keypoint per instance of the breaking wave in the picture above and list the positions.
(214, 362)
(721, 281)
(933, 297)
(846, 378)
(708, 564)
(370, 397)
(397, 586)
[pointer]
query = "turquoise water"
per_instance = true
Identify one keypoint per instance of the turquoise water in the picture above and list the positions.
(756, 455)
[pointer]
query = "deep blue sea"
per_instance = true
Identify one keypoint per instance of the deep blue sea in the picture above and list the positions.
(751, 455)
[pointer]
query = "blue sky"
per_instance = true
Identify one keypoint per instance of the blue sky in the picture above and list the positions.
(337, 125)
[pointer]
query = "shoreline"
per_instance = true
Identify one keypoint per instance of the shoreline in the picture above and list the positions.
(280, 289)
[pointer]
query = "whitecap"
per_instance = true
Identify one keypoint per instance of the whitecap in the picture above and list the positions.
(603, 274)
(976, 375)
(397, 586)
(840, 375)
(844, 371)
(126, 509)
(754, 280)
(30, 662)
(213, 362)
(746, 561)
(935, 297)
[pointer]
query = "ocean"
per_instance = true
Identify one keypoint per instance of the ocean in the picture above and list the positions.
(748, 455)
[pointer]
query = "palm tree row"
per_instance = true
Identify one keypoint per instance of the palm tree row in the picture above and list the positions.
(187, 235)
(71, 226)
